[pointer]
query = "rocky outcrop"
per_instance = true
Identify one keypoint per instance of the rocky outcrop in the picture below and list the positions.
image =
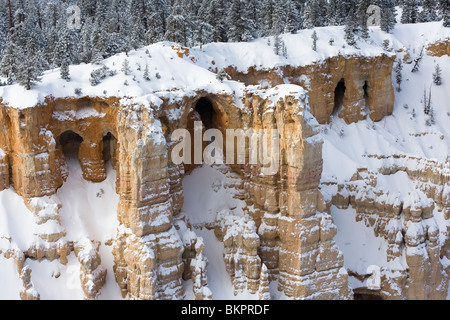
(406, 222)
(241, 243)
(286, 233)
(28, 292)
(352, 87)
(92, 273)
(439, 48)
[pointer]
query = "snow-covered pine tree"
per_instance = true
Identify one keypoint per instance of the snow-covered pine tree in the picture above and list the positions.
(332, 13)
(428, 12)
(350, 29)
(29, 72)
(236, 21)
(267, 12)
(64, 70)
(251, 16)
(314, 40)
(146, 73)
(292, 16)
(398, 74)
(204, 33)
(32, 26)
(98, 41)
(178, 28)
(315, 14)
(361, 14)
(410, 11)
(428, 108)
(61, 51)
(10, 62)
(437, 75)
(388, 14)
(4, 28)
(158, 11)
(212, 13)
(277, 43)
(444, 11)
(221, 75)
(344, 8)
(126, 69)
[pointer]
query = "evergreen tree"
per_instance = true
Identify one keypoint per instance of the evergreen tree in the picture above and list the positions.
(332, 13)
(398, 74)
(236, 22)
(388, 14)
(292, 16)
(437, 75)
(64, 70)
(204, 32)
(314, 38)
(428, 12)
(267, 17)
(315, 14)
(126, 69)
(344, 9)
(29, 72)
(146, 73)
(10, 63)
(444, 10)
(251, 17)
(98, 40)
(213, 14)
(362, 18)
(350, 29)
(61, 52)
(177, 26)
(410, 11)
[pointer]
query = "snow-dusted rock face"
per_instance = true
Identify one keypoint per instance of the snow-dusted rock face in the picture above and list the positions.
(406, 221)
(281, 230)
(439, 48)
(284, 229)
(367, 81)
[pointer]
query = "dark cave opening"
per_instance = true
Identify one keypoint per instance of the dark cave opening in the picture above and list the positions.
(109, 147)
(207, 113)
(70, 143)
(339, 94)
(366, 92)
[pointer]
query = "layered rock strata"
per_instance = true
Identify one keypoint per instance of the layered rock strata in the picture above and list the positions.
(287, 233)
(406, 222)
(352, 87)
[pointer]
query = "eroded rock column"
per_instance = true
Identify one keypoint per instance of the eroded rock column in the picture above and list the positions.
(148, 250)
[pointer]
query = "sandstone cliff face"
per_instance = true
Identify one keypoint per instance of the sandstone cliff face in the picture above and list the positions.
(407, 223)
(287, 233)
(281, 231)
(439, 48)
(352, 87)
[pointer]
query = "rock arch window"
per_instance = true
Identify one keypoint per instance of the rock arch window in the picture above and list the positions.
(208, 114)
(109, 148)
(366, 93)
(70, 143)
(339, 94)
